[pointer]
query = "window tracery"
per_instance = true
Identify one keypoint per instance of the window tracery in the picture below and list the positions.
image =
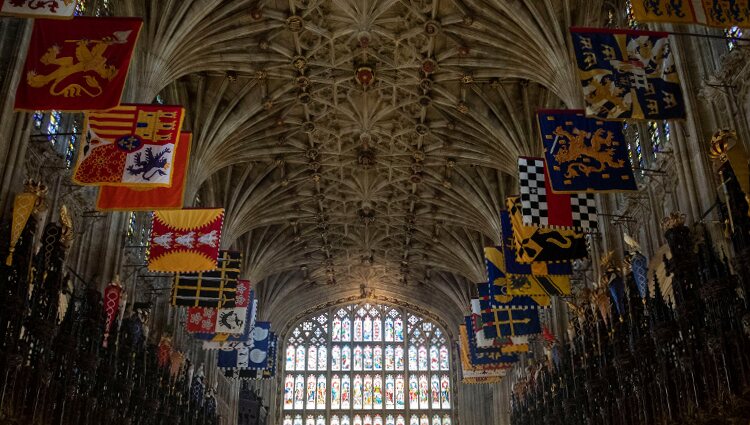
(346, 366)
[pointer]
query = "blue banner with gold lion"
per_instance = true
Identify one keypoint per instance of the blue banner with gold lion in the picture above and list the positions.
(627, 74)
(585, 154)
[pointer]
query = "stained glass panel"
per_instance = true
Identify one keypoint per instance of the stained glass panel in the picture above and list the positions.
(336, 358)
(377, 358)
(289, 392)
(290, 358)
(377, 392)
(326, 392)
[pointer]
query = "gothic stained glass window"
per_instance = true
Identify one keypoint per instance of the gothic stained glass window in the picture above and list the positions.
(396, 372)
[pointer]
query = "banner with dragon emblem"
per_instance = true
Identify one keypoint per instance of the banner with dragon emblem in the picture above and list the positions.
(585, 154)
(714, 13)
(49, 9)
(131, 145)
(543, 244)
(77, 65)
(185, 240)
(628, 74)
(228, 320)
(122, 198)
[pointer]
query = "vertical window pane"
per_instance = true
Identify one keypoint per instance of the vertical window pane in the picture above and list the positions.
(321, 421)
(424, 392)
(377, 392)
(446, 420)
(357, 390)
(368, 420)
(413, 358)
(290, 358)
(367, 358)
(322, 358)
(336, 332)
(390, 394)
(414, 420)
(310, 420)
(367, 332)
(299, 392)
(312, 358)
(311, 386)
(298, 420)
(321, 395)
(377, 358)
(436, 420)
(413, 392)
(400, 420)
(289, 392)
(357, 420)
(400, 402)
(378, 420)
(424, 420)
(346, 392)
(444, 358)
(346, 358)
(390, 420)
(358, 358)
(335, 392)
(435, 391)
(445, 394)
(377, 332)
(388, 329)
(399, 358)
(287, 420)
(389, 361)
(335, 420)
(367, 392)
(422, 358)
(358, 329)
(346, 330)
(300, 360)
(434, 358)
(336, 358)
(345, 420)
(398, 330)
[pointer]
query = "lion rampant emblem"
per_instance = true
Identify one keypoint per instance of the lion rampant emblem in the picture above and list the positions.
(576, 157)
(89, 58)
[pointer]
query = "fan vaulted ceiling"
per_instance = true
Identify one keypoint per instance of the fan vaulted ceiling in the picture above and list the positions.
(359, 146)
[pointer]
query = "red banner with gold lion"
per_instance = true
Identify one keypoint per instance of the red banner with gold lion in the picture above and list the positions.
(77, 65)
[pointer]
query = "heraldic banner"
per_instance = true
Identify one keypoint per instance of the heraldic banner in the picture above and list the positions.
(542, 207)
(628, 74)
(131, 145)
(542, 244)
(185, 240)
(228, 320)
(77, 65)
(714, 13)
(52, 9)
(585, 154)
(121, 198)
(215, 288)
